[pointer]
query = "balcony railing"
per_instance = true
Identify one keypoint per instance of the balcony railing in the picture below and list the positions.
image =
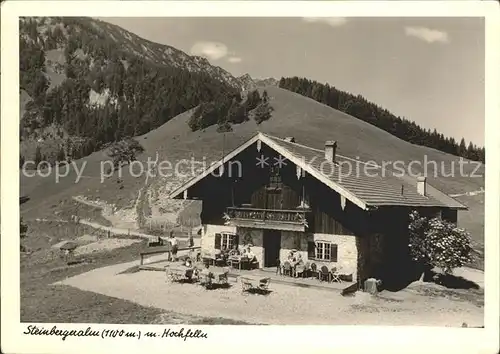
(297, 216)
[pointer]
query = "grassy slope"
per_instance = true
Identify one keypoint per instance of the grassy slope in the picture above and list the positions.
(310, 122)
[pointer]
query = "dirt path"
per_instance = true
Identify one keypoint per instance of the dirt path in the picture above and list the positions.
(118, 231)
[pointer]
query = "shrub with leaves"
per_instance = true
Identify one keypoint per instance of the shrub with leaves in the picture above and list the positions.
(263, 112)
(438, 243)
(124, 151)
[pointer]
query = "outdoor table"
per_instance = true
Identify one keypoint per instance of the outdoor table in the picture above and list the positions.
(242, 262)
(210, 259)
(217, 276)
(179, 271)
(252, 282)
(220, 276)
(219, 262)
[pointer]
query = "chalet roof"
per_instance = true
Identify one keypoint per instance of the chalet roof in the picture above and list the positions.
(365, 189)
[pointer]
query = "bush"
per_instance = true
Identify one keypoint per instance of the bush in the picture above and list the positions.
(124, 151)
(438, 243)
(262, 112)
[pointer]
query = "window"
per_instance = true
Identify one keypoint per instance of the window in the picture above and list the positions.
(225, 240)
(322, 251)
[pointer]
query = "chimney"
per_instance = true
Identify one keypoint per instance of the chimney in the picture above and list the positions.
(330, 150)
(421, 186)
(290, 139)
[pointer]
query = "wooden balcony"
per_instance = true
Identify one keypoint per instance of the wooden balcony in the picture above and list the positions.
(276, 219)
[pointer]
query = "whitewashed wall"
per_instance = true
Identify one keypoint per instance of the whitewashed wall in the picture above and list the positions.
(346, 245)
(208, 236)
(255, 237)
(347, 252)
(293, 240)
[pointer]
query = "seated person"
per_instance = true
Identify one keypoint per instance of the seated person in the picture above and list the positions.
(235, 251)
(249, 254)
(224, 253)
(298, 259)
(295, 259)
(189, 268)
(218, 254)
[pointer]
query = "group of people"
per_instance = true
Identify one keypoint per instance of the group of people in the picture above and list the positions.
(226, 253)
(295, 258)
(204, 275)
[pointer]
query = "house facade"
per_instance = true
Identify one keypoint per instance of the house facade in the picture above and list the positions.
(278, 195)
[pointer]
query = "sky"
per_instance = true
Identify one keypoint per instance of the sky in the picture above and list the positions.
(429, 70)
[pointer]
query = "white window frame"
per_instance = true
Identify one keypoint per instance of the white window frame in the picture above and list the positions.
(321, 255)
(227, 239)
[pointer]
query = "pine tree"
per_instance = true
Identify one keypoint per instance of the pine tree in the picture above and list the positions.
(359, 107)
(61, 156)
(462, 148)
(265, 97)
(38, 156)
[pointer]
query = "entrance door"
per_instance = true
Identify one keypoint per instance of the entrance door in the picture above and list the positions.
(272, 245)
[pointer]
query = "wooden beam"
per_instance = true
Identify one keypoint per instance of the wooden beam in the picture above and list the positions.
(299, 171)
(185, 194)
(342, 201)
(259, 145)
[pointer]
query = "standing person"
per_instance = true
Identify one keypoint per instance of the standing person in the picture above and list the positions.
(175, 244)
(190, 244)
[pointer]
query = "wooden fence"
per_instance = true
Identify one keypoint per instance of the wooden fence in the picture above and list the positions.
(164, 249)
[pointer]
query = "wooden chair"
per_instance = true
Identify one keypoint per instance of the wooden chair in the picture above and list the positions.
(324, 273)
(206, 280)
(300, 269)
(234, 262)
(223, 277)
(264, 284)
(307, 267)
(335, 275)
(287, 268)
(314, 270)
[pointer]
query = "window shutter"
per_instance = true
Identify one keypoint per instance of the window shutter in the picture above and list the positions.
(310, 249)
(333, 253)
(218, 240)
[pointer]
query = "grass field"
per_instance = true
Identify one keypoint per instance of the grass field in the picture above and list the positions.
(43, 302)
